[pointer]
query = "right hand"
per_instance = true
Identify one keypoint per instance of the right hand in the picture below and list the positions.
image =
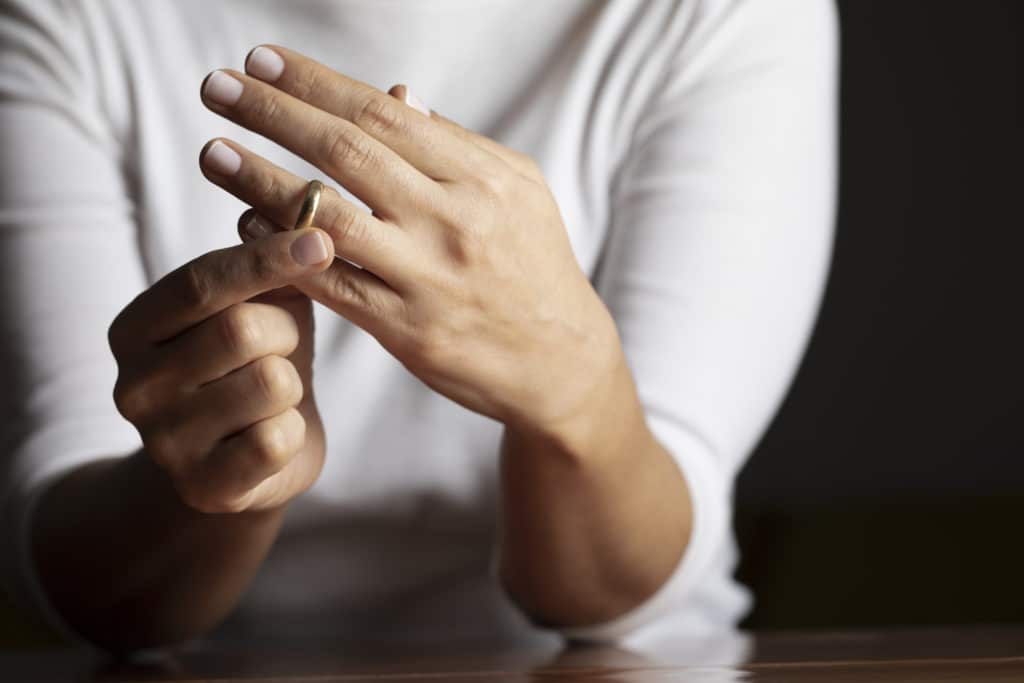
(215, 371)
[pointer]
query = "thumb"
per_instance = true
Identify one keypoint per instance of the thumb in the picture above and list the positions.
(215, 280)
(309, 250)
(253, 227)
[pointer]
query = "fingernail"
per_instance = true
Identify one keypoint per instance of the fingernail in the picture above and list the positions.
(222, 88)
(415, 102)
(264, 64)
(220, 158)
(309, 249)
(257, 227)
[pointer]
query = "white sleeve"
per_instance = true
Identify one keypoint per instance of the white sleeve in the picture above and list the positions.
(721, 235)
(70, 262)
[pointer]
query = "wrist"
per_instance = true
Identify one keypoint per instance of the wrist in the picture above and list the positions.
(598, 426)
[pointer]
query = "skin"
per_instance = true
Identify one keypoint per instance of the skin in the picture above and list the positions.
(468, 278)
(215, 371)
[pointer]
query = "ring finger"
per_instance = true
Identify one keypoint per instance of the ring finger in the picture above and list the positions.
(369, 169)
(382, 248)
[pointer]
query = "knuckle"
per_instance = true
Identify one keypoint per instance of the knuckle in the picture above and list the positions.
(429, 346)
(197, 289)
(119, 336)
(272, 445)
(132, 399)
(346, 151)
(492, 185)
(379, 116)
(349, 226)
(465, 244)
(239, 330)
(269, 189)
(297, 427)
(278, 381)
(305, 83)
(263, 265)
(347, 288)
(115, 336)
(267, 111)
(122, 400)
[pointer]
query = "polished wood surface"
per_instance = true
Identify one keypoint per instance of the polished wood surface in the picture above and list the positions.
(933, 655)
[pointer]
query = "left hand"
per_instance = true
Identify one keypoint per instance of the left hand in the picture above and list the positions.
(468, 278)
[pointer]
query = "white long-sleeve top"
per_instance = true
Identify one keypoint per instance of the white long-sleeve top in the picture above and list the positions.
(691, 148)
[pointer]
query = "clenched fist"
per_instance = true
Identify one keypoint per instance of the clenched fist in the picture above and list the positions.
(215, 372)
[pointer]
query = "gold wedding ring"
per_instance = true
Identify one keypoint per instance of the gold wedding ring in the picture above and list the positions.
(309, 204)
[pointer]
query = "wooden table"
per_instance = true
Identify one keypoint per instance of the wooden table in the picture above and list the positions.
(926, 655)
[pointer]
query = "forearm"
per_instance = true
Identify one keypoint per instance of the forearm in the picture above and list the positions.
(593, 522)
(129, 565)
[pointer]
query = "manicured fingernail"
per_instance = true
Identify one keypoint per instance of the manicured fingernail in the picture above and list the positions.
(222, 88)
(220, 158)
(415, 102)
(257, 227)
(309, 249)
(264, 64)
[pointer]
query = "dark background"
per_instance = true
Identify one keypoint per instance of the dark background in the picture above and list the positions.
(890, 488)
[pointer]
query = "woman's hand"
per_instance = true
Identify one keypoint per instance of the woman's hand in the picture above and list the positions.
(214, 370)
(469, 278)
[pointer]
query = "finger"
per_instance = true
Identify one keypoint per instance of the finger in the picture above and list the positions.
(277, 194)
(521, 162)
(212, 282)
(228, 476)
(226, 341)
(369, 169)
(348, 290)
(254, 392)
(427, 147)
